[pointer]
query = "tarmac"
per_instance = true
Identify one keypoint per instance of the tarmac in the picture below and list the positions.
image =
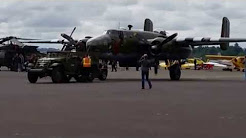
(202, 104)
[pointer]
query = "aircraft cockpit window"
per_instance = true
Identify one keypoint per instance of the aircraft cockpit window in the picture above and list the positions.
(112, 32)
(105, 32)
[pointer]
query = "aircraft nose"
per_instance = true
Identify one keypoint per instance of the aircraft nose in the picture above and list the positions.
(101, 41)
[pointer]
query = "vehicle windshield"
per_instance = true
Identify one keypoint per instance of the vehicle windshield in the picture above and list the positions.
(56, 54)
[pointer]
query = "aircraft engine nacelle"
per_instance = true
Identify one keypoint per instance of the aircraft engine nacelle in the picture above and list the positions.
(159, 42)
(155, 48)
(81, 45)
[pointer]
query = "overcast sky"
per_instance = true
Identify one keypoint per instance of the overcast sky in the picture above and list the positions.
(47, 19)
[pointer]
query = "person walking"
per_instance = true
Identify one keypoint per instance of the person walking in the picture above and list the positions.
(145, 65)
(15, 62)
(21, 64)
(114, 66)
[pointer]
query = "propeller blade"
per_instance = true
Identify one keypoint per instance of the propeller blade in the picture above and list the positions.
(169, 38)
(69, 38)
(72, 31)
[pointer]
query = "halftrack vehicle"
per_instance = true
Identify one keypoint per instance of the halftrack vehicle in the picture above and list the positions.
(61, 66)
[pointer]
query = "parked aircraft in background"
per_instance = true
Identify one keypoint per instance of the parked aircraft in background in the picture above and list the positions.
(10, 46)
(237, 61)
(189, 64)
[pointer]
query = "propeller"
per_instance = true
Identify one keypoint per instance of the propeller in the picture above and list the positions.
(73, 43)
(155, 49)
(70, 40)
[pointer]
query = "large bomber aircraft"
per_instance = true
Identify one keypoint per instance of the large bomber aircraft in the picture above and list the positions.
(127, 46)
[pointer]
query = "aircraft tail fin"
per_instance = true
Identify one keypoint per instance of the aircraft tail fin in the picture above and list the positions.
(225, 32)
(148, 25)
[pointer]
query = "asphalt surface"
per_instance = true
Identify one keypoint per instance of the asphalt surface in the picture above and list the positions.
(202, 104)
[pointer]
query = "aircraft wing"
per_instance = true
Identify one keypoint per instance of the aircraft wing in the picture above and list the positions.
(208, 41)
(218, 57)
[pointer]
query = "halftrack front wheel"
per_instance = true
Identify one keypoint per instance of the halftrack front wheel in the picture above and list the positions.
(32, 78)
(58, 76)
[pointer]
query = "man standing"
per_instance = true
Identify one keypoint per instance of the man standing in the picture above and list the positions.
(145, 65)
(114, 64)
(16, 60)
(245, 67)
(21, 64)
(195, 63)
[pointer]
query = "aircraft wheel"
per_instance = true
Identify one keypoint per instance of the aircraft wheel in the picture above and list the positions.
(103, 75)
(32, 78)
(58, 76)
(175, 72)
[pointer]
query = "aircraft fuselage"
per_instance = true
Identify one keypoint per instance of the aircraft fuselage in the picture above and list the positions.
(128, 46)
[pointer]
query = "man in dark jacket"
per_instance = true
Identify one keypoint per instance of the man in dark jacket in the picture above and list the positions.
(145, 65)
(195, 64)
(114, 64)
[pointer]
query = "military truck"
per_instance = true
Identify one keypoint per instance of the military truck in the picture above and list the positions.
(61, 66)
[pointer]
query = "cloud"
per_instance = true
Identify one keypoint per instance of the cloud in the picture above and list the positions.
(47, 19)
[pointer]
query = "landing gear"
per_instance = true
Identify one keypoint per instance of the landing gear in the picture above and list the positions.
(175, 72)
